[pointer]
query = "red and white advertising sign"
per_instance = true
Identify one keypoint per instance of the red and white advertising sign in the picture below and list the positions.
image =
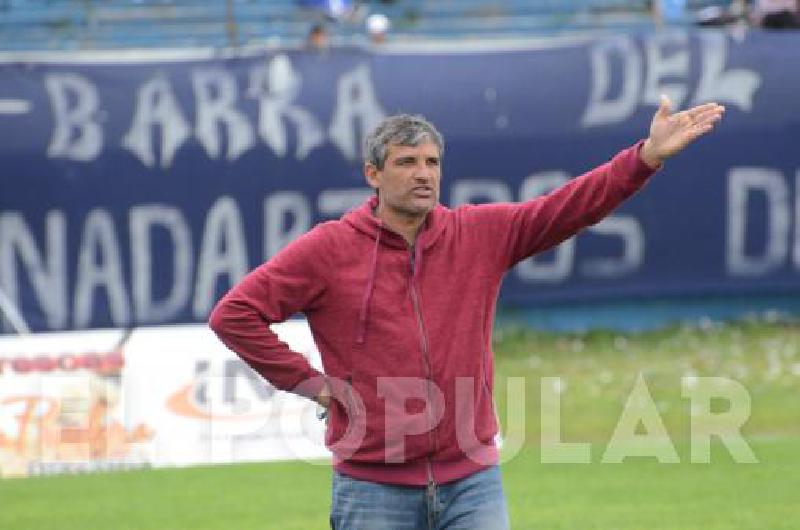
(161, 396)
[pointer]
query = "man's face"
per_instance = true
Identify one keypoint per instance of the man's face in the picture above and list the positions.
(408, 184)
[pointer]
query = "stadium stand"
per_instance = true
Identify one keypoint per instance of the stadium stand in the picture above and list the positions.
(111, 24)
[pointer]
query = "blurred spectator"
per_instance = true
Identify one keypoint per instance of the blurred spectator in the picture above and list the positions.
(776, 14)
(318, 38)
(378, 26)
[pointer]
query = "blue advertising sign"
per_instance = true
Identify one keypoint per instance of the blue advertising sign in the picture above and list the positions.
(136, 191)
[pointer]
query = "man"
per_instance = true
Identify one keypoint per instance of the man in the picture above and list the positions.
(400, 296)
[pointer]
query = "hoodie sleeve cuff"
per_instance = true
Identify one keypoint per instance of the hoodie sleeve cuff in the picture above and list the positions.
(642, 166)
(311, 387)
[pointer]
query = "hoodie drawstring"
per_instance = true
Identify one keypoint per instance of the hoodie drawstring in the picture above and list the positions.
(417, 259)
(362, 318)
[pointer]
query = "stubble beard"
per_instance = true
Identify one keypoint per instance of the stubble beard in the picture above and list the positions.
(413, 210)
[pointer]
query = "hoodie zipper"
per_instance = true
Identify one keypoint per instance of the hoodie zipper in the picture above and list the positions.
(431, 486)
(431, 495)
(425, 354)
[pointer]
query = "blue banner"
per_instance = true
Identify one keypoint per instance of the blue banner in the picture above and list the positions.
(137, 190)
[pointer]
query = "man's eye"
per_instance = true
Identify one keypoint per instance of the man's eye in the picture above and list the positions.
(433, 161)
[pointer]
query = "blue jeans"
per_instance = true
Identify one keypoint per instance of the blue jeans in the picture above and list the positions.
(476, 502)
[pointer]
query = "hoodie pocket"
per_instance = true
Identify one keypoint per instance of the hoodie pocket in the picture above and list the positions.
(343, 410)
(487, 423)
(485, 382)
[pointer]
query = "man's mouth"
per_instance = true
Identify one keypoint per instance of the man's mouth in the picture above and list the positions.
(422, 191)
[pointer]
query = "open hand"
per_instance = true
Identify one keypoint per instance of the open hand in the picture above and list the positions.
(670, 133)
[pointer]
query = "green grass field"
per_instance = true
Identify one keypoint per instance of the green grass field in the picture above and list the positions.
(598, 371)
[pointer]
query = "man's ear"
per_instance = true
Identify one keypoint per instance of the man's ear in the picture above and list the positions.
(372, 174)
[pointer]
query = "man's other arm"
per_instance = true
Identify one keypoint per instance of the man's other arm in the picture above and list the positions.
(288, 283)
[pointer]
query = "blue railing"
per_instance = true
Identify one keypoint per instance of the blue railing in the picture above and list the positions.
(93, 24)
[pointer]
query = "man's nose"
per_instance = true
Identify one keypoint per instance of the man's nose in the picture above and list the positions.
(423, 172)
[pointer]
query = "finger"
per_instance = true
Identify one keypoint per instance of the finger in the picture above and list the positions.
(712, 116)
(664, 107)
(701, 109)
(683, 119)
(687, 119)
(700, 129)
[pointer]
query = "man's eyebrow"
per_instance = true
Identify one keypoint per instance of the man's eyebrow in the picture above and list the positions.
(411, 158)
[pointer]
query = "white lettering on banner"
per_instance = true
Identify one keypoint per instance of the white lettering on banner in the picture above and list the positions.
(356, 102)
(292, 206)
(80, 118)
(742, 182)
(603, 110)
(629, 230)
(666, 57)
(275, 86)
(215, 93)
(663, 65)
(142, 220)
(158, 115)
(100, 241)
(277, 207)
(735, 87)
(223, 252)
(334, 203)
(47, 270)
(156, 106)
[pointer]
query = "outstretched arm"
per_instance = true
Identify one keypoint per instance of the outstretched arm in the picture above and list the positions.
(534, 226)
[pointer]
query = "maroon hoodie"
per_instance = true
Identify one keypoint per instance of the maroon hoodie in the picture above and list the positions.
(405, 331)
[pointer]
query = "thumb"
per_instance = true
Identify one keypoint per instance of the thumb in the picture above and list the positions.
(665, 107)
